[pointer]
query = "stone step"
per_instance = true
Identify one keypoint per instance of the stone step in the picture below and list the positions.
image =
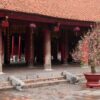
(44, 83)
(35, 82)
(39, 75)
(35, 79)
(43, 79)
(5, 85)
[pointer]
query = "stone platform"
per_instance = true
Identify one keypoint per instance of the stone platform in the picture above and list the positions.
(37, 73)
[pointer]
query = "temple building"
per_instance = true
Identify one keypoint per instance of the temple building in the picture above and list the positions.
(43, 32)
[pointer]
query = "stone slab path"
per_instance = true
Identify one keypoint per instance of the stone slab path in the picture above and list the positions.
(54, 92)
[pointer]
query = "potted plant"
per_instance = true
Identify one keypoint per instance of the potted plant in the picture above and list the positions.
(87, 52)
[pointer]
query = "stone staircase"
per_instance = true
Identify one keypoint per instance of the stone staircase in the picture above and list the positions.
(38, 79)
(44, 82)
(34, 80)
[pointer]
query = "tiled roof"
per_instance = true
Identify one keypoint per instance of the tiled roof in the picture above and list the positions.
(86, 10)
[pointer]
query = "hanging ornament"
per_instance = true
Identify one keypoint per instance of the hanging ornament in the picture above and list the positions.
(5, 22)
(77, 29)
(57, 27)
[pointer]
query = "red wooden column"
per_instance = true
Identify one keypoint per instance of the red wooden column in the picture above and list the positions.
(63, 60)
(27, 46)
(12, 49)
(5, 26)
(1, 52)
(47, 49)
(8, 46)
(19, 47)
(64, 48)
(31, 59)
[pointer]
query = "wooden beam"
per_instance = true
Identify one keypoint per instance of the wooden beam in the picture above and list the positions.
(41, 18)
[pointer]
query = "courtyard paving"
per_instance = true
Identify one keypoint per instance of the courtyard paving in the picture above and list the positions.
(73, 68)
(55, 92)
(63, 91)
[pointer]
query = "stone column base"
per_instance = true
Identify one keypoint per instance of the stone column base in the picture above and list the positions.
(1, 73)
(85, 66)
(30, 66)
(65, 64)
(47, 67)
(1, 68)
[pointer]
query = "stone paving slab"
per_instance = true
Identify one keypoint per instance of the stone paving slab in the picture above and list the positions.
(54, 92)
(29, 74)
(3, 77)
(7, 96)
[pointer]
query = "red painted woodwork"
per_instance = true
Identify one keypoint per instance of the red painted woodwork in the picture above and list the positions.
(20, 18)
(31, 59)
(5, 24)
(63, 45)
(1, 51)
(27, 47)
(1, 48)
(19, 47)
(12, 51)
(8, 46)
(41, 18)
(63, 56)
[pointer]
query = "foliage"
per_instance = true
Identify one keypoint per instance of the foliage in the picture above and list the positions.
(87, 50)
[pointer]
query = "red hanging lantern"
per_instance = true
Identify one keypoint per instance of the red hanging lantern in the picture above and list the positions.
(77, 29)
(57, 27)
(32, 25)
(5, 22)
